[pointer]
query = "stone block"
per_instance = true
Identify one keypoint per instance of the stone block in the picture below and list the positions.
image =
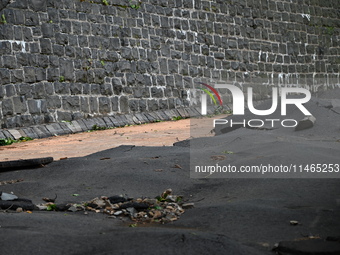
(71, 103)
(104, 105)
(5, 76)
(7, 107)
(19, 104)
(55, 129)
(38, 5)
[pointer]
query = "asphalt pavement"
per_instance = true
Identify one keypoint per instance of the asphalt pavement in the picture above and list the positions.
(231, 215)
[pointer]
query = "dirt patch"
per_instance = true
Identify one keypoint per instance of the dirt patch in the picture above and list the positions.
(82, 144)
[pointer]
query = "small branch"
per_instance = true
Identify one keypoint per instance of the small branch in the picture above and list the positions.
(5, 211)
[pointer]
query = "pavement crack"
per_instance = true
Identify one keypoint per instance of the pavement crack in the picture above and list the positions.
(130, 147)
(335, 111)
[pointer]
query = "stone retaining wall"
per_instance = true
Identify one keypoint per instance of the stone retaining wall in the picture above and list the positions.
(68, 60)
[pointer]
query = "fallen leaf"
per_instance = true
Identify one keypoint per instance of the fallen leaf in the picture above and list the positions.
(63, 158)
(228, 152)
(218, 157)
(157, 215)
(177, 166)
(51, 207)
(75, 195)
(104, 158)
(166, 193)
(46, 199)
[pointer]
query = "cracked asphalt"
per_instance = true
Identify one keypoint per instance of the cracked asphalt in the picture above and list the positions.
(231, 215)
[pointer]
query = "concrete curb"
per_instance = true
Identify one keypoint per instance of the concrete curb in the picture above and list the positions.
(83, 125)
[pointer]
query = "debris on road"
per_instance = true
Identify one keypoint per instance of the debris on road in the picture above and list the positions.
(46, 199)
(12, 202)
(24, 164)
(8, 197)
(294, 222)
(218, 157)
(188, 205)
(305, 123)
(10, 182)
(163, 209)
